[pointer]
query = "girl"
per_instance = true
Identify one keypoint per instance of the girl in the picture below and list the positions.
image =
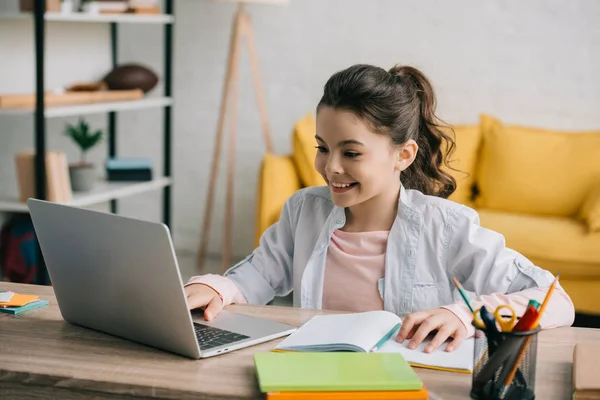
(381, 235)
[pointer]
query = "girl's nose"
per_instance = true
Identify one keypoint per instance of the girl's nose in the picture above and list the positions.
(333, 165)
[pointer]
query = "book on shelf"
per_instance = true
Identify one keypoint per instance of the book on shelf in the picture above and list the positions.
(58, 181)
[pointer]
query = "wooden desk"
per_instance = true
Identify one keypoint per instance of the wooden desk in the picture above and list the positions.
(42, 356)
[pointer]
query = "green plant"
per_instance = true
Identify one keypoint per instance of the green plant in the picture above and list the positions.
(82, 136)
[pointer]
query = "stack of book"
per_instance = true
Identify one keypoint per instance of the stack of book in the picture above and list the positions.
(339, 376)
(58, 181)
(128, 6)
(14, 303)
(128, 169)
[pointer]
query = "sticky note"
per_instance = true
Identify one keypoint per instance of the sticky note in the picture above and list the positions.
(6, 296)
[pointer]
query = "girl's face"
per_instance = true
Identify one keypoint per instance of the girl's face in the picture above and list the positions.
(356, 163)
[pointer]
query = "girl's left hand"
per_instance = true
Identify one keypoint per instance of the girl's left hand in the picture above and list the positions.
(420, 324)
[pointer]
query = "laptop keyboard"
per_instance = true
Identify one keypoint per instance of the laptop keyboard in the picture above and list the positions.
(210, 337)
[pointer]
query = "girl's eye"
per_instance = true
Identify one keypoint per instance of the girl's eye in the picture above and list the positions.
(351, 154)
(321, 149)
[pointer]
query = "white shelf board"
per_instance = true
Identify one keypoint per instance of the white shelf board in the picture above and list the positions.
(103, 192)
(93, 108)
(98, 18)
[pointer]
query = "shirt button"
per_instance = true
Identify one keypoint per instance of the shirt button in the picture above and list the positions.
(411, 252)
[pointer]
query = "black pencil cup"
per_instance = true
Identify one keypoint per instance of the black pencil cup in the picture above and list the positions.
(495, 358)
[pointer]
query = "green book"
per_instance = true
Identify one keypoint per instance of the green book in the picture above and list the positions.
(334, 371)
(27, 307)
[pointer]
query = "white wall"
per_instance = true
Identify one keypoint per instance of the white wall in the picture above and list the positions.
(530, 62)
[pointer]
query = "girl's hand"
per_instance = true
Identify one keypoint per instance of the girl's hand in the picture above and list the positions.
(420, 324)
(202, 296)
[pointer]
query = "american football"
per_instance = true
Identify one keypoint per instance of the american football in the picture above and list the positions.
(131, 76)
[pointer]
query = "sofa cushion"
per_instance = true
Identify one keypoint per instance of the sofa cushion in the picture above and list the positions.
(558, 244)
(277, 181)
(464, 161)
(304, 151)
(535, 171)
(590, 211)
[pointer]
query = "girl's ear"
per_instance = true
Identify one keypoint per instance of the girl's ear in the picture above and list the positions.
(407, 154)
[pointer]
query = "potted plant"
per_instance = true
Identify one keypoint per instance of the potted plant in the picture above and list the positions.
(83, 173)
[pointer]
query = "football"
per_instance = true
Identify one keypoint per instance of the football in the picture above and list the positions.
(131, 76)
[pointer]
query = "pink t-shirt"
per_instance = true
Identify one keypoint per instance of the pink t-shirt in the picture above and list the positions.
(355, 264)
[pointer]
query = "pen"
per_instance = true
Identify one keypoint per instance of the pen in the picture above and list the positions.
(462, 293)
(386, 338)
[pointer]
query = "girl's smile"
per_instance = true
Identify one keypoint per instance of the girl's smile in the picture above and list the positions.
(341, 187)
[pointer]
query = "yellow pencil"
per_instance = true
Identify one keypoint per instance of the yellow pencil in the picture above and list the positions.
(536, 322)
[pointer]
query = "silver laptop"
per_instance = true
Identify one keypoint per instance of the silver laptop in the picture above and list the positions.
(120, 276)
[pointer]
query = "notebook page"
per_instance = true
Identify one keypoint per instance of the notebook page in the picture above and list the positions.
(459, 359)
(363, 330)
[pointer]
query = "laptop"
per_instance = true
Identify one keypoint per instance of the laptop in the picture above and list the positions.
(120, 276)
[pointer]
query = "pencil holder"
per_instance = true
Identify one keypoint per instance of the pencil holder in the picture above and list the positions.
(504, 365)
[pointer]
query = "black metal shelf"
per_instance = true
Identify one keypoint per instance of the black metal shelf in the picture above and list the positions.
(40, 108)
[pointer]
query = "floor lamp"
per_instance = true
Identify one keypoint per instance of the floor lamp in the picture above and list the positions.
(242, 30)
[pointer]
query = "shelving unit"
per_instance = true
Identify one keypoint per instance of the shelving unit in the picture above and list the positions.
(95, 108)
(104, 191)
(102, 18)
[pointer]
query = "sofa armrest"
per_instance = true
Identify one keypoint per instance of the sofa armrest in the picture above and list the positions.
(589, 213)
(278, 180)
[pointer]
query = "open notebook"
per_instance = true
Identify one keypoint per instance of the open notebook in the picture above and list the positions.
(373, 331)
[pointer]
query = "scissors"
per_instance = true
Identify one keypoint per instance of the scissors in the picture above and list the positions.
(506, 322)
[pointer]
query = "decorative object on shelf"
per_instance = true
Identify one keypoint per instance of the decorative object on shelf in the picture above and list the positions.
(67, 6)
(51, 5)
(112, 6)
(131, 76)
(83, 173)
(151, 7)
(90, 6)
(241, 30)
(58, 182)
(128, 169)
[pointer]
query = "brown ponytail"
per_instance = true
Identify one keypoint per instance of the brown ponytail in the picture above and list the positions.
(401, 103)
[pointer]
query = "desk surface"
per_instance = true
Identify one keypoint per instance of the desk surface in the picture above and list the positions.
(42, 356)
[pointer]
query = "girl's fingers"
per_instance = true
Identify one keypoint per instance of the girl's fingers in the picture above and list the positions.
(409, 325)
(214, 307)
(459, 337)
(199, 300)
(424, 330)
(443, 334)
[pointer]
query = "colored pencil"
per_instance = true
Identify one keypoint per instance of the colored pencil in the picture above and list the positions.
(462, 293)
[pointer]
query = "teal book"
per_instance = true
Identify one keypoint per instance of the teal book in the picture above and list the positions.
(334, 371)
(27, 307)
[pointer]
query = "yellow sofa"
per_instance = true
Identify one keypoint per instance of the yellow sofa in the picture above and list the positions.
(539, 188)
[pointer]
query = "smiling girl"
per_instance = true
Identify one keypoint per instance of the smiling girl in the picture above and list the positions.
(381, 234)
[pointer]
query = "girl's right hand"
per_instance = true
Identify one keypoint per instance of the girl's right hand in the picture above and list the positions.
(202, 296)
